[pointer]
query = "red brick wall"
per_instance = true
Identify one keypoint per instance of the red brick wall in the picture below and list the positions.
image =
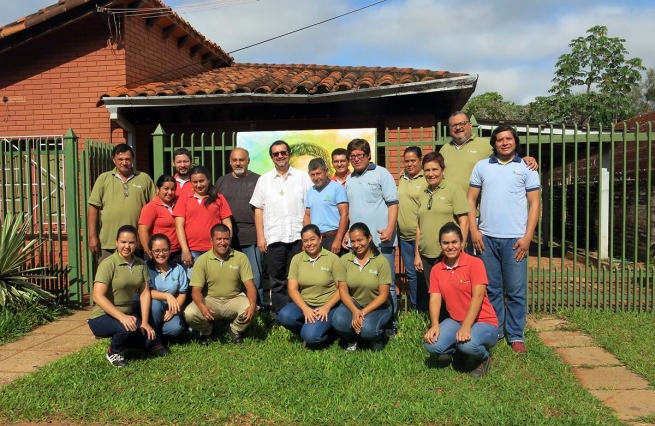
(150, 57)
(61, 77)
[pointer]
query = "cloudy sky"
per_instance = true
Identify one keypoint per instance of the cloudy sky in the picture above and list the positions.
(512, 44)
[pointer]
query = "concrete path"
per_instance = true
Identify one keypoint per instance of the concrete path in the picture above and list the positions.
(598, 370)
(45, 344)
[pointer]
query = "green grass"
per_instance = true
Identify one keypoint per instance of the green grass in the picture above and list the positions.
(16, 323)
(271, 380)
(628, 335)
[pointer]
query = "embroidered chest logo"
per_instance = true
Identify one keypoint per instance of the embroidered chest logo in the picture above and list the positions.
(234, 267)
(465, 281)
(134, 185)
(441, 197)
(472, 151)
(373, 271)
(325, 268)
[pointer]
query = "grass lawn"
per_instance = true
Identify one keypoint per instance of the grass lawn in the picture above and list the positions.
(628, 335)
(271, 380)
(16, 323)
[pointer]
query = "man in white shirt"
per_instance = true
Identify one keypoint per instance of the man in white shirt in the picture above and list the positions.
(279, 202)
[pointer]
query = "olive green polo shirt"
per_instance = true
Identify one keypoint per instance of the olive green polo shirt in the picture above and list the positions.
(409, 189)
(222, 278)
(461, 160)
(363, 282)
(316, 278)
(122, 281)
(448, 200)
(120, 204)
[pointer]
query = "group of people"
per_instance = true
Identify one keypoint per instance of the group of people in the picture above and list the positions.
(330, 245)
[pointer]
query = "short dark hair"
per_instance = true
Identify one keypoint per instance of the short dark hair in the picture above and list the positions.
(219, 227)
(341, 151)
(126, 228)
(310, 228)
(279, 142)
(121, 148)
(158, 237)
(434, 156)
(500, 129)
(415, 149)
(459, 113)
(361, 144)
(165, 178)
(363, 228)
(182, 151)
(317, 163)
(451, 227)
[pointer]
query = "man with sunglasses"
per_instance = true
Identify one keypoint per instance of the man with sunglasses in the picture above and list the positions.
(116, 200)
(279, 202)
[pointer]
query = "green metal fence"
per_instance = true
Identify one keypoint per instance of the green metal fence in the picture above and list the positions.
(593, 246)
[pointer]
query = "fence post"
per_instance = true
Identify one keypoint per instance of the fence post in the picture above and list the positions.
(73, 218)
(158, 140)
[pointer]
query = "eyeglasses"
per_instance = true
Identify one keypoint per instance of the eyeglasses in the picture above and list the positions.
(460, 124)
(126, 190)
(160, 251)
(357, 156)
(280, 154)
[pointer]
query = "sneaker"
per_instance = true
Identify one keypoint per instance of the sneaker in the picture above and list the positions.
(482, 369)
(117, 359)
(518, 347)
(159, 350)
(352, 347)
(237, 338)
(377, 345)
(390, 333)
(205, 340)
(444, 358)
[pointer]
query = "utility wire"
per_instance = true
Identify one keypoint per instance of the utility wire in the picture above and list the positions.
(255, 44)
(165, 11)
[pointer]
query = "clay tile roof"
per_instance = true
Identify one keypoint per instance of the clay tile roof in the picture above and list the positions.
(54, 11)
(283, 79)
(643, 121)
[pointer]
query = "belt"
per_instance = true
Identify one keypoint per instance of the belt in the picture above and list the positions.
(329, 234)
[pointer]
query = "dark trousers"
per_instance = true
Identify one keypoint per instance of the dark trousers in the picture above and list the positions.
(121, 338)
(327, 242)
(428, 263)
(279, 258)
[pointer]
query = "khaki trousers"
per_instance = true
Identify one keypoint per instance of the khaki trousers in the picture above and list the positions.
(232, 308)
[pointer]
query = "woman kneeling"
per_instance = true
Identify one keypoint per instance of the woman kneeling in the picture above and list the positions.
(460, 281)
(364, 287)
(312, 289)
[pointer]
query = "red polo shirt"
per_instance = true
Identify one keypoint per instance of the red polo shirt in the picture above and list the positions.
(199, 219)
(183, 188)
(455, 286)
(334, 178)
(159, 219)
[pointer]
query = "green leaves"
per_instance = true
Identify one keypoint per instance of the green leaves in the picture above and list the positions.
(16, 281)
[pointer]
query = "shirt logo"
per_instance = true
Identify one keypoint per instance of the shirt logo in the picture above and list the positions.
(373, 271)
(325, 268)
(134, 185)
(233, 267)
(465, 281)
(472, 151)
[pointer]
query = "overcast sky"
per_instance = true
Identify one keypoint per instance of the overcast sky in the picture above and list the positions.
(512, 44)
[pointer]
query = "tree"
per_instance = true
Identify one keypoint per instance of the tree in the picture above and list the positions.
(597, 67)
(643, 95)
(492, 106)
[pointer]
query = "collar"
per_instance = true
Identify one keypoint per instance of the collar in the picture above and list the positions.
(306, 258)
(453, 143)
(463, 261)
(159, 202)
(494, 160)
(179, 179)
(120, 261)
(230, 254)
(336, 179)
(350, 256)
(290, 172)
(371, 166)
(116, 174)
(418, 175)
(151, 265)
(442, 185)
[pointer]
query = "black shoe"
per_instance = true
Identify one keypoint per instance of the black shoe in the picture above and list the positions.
(205, 340)
(237, 338)
(482, 369)
(117, 359)
(460, 362)
(159, 350)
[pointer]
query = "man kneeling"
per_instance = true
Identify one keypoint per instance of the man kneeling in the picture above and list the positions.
(223, 271)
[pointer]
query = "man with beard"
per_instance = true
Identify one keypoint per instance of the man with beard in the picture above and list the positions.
(237, 187)
(279, 202)
(182, 165)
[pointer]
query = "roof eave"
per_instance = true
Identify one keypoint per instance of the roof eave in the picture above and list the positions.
(432, 86)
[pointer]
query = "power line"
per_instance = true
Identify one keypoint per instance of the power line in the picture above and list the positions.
(154, 12)
(256, 44)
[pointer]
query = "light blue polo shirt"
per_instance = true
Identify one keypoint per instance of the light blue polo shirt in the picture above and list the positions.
(175, 280)
(369, 196)
(504, 204)
(322, 205)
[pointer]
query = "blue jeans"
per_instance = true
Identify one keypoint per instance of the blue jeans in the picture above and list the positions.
(483, 337)
(292, 318)
(372, 329)
(418, 289)
(507, 285)
(389, 253)
(195, 255)
(173, 327)
(108, 326)
(256, 259)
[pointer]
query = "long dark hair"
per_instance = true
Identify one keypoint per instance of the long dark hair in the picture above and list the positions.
(165, 178)
(361, 227)
(212, 194)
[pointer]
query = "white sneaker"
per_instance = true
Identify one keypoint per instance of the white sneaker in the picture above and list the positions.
(117, 360)
(352, 347)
